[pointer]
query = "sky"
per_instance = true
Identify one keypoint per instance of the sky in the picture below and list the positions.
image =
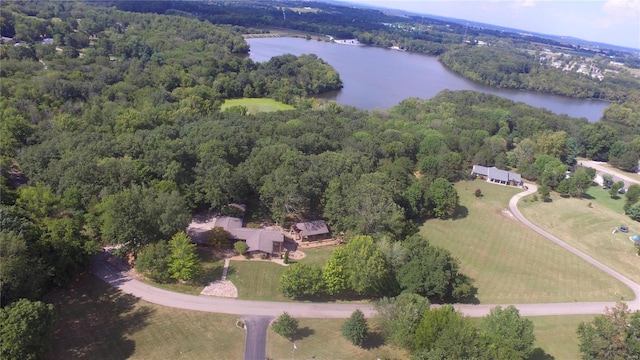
(614, 22)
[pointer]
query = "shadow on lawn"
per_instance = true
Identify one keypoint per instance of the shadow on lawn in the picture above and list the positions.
(94, 321)
(373, 341)
(539, 354)
(303, 333)
(461, 212)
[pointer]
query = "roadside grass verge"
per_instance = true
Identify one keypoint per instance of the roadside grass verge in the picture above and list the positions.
(256, 280)
(557, 336)
(211, 271)
(509, 262)
(322, 339)
(96, 321)
(587, 224)
(256, 105)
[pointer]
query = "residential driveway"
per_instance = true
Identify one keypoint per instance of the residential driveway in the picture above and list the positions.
(256, 339)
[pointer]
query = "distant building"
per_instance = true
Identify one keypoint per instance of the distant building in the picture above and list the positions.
(495, 175)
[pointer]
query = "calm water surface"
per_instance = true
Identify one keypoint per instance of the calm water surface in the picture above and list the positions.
(382, 78)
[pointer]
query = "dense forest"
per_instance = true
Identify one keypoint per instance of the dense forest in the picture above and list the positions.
(112, 134)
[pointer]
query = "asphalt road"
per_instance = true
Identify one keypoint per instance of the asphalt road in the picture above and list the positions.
(256, 339)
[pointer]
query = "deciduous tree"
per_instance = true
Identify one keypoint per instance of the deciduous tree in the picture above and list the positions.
(26, 329)
(444, 198)
(299, 280)
(510, 336)
(184, 263)
(614, 335)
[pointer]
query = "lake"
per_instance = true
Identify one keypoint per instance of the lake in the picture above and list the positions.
(382, 78)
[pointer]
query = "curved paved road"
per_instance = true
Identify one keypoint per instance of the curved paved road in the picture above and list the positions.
(119, 279)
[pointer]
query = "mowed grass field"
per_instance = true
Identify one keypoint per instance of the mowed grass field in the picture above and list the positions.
(587, 224)
(510, 263)
(557, 337)
(256, 105)
(322, 339)
(256, 280)
(95, 321)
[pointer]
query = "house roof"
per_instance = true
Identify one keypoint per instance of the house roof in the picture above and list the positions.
(480, 170)
(227, 222)
(258, 239)
(311, 228)
(496, 174)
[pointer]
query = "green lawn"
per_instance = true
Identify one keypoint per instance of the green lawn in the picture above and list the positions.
(317, 256)
(322, 339)
(95, 321)
(509, 262)
(587, 225)
(256, 105)
(556, 336)
(256, 280)
(211, 271)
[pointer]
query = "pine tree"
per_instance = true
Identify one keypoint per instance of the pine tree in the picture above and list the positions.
(356, 329)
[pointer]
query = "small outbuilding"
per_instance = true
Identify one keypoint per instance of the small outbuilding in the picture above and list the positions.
(312, 230)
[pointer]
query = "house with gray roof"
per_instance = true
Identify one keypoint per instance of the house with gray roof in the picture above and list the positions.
(312, 230)
(258, 240)
(495, 175)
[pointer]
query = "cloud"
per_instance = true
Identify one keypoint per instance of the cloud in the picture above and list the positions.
(616, 11)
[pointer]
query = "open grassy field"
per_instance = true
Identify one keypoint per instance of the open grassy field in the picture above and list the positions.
(256, 105)
(256, 280)
(557, 337)
(587, 224)
(95, 321)
(322, 339)
(510, 263)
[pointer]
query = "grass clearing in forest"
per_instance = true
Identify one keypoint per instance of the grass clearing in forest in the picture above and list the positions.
(587, 224)
(96, 321)
(509, 262)
(256, 105)
(322, 339)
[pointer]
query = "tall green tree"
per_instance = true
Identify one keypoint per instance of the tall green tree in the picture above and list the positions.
(614, 335)
(359, 266)
(446, 334)
(399, 317)
(433, 272)
(153, 261)
(184, 263)
(355, 328)
(26, 329)
(510, 336)
(299, 280)
(444, 198)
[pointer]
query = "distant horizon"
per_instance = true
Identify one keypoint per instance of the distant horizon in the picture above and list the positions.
(613, 22)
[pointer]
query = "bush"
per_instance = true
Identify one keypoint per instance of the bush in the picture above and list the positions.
(285, 259)
(477, 193)
(356, 329)
(285, 326)
(240, 247)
